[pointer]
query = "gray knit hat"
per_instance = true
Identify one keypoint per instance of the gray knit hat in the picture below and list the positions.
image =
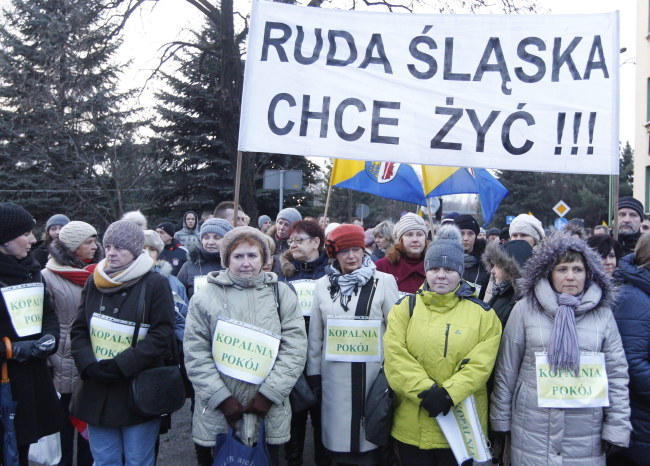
(528, 225)
(630, 203)
(240, 233)
(446, 250)
(57, 219)
(289, 214)
(216, 225)
(75, 233)
(408, 222)
(153, 240)
(125, 234)
(262, 220)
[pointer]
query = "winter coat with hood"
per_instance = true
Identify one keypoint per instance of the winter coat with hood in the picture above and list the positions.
(632, 314)
(252, 301)
(38, 411)
(451, 340)
(555, 436)
(66, 297)
(200, 263)
(189, 238)
(343, 394)
(475, 274)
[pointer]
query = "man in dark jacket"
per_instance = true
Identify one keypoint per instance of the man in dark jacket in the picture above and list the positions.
(630, 215)
(173, 253)
(475, 274)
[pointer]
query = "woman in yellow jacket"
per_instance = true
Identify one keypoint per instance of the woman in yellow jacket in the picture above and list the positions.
(439, 355)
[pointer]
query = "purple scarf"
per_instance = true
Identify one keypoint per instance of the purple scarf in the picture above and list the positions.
(563, 349)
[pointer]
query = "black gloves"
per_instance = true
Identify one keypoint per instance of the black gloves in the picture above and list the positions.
(24, 350)
(232, 410)
(104, 371)
(316, 386)
(436, 400)
(610, 449)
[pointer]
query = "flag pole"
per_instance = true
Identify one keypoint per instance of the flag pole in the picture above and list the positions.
(237, 188)
(430, 219)
(329, 192)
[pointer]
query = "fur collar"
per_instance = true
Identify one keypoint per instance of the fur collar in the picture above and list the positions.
(164, 268)
(288, 263)
(495, 255)
(62, 255)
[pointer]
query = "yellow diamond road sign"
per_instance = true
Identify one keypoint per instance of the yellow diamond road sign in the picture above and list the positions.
(561, 208)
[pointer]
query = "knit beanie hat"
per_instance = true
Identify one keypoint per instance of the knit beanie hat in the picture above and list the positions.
(408, 222)
(630, 203)
(153, 240)
(14, 221)
(75, 233)
(446, 250)
(467, 222)
(216, 225)
(262, 220)
(449, 218)
(167, 227)
(331, 227)
(136, 217)
(125, 234)
(493, 231)
(289, 214)
(240, 233)
(528, 225)
(57, 219)
(345, 236)
(519, 250)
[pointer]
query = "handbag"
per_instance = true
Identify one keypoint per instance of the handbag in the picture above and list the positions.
(47, 451)
(230, 451)
(160, 390)
(301, 396)
(380, 406)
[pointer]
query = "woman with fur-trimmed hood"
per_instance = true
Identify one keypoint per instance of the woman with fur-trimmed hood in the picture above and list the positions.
(505, 263)
(564, 314)
(73, 257)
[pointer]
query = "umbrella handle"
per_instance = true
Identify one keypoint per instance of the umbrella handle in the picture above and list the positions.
(9, 354)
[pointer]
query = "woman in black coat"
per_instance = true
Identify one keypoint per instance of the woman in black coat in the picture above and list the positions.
(101, 346)
(38, 412)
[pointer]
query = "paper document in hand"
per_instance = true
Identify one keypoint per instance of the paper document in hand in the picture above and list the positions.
(462, 429)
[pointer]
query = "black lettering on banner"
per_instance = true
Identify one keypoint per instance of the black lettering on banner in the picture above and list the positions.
(560, 58)
(422, 56)
(507, 125)
(323, 116)
(377, 120)
(532, 59)
(286, 129)
(275, 42)
(318, 46)
(331, 54)
(376, 42)
(448, 74)
(481, 128)
(338, 120)
(596, 48)
(455, 114)
(494, 46)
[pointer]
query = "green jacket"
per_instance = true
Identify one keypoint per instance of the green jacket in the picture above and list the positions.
(449, 340)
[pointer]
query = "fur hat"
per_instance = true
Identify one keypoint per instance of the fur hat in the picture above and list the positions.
(215, 225)
(446, 250)
(240, 233)
(14, 221)
(75, 233)
(467, 222)
(345, 236)
(136, 217)
(153, 240)
(262, 220)
(56, 219)
(289, 214)
(511, 257)
(408, 222)
(528, 225)
(125, 234)
(628, 202)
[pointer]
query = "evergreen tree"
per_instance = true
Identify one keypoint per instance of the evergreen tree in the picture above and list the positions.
(65, 145)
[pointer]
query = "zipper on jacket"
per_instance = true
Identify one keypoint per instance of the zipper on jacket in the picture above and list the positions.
(446, 340)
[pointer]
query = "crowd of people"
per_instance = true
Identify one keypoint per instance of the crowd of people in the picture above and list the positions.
(508, 318)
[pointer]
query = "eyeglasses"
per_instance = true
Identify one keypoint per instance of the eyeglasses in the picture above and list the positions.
(298, 241)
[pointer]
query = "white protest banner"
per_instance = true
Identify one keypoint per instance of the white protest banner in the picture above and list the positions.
(515, 92)
(353, 339)
(305, 290)
(243, 351)
(25, 306)
(463, 431)
(110, 336)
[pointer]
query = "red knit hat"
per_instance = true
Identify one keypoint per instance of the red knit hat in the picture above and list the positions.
(345, 237)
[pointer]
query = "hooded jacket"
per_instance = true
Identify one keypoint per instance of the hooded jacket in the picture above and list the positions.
(632, 314)
(253, 302)
(189, 238)
(66, 297)
(200, 263)
(450, 340)
(555, 436)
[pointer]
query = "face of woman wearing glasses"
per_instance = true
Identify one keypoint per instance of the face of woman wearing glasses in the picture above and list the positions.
(303, 247)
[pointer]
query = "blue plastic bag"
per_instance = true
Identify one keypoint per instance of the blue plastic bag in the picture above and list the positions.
(230, 451)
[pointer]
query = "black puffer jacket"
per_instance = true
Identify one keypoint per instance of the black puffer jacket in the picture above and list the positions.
(475, 274)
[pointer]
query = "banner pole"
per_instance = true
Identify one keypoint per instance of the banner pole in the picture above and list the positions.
(430, 219)
(237, 188)
(329, 192)
(615, 208)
